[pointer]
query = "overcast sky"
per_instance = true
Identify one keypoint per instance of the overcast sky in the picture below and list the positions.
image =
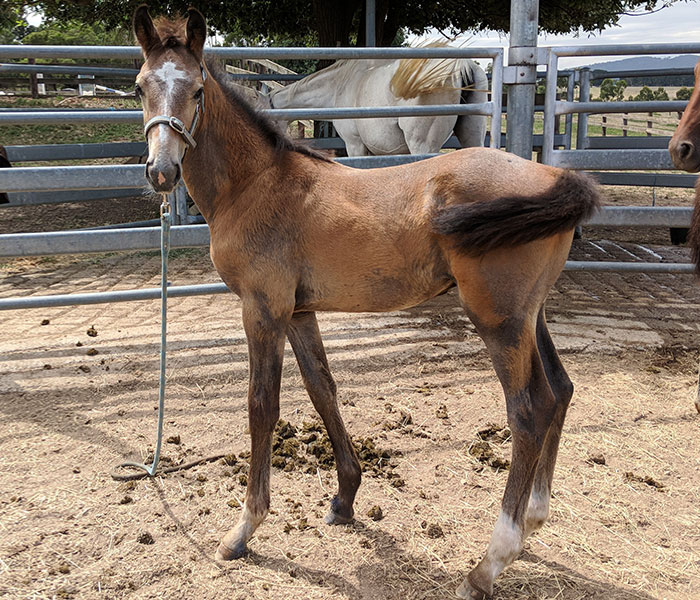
(679, 22)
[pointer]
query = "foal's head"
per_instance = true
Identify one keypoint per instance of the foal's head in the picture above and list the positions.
(685, 143)
(171, 87)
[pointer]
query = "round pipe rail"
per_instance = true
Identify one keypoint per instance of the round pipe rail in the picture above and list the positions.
(624, 49)
(191, 236)
(114, 177)
(566, 108)
(134, 52)
(291, 114)
(57, 300)
(67, 70)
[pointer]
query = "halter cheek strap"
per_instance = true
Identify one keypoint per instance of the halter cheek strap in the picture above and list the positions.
(177, 125)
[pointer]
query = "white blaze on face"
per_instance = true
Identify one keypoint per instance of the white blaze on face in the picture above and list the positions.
(169, 74)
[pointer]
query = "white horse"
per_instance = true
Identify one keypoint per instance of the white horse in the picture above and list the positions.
(406, 82)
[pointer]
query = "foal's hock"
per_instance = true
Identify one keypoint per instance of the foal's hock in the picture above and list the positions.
(293, 232)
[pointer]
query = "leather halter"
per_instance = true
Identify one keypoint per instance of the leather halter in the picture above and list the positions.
(177, 125)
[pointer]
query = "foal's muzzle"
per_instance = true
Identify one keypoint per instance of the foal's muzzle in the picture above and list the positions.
(163, 175)
(685, 155)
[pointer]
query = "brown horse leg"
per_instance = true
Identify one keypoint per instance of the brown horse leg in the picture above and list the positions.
(306, 342)
(531, 407)
(265, 334)
(538, 507)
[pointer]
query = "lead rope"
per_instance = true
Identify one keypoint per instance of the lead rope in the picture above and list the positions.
(165, 221)
(150, 470)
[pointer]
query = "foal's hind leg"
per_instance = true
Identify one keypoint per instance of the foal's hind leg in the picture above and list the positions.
(538, 507)
(306, 342)
(265, 328)
(531, 407)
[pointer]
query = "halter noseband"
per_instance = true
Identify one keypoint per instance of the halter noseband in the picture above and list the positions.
(177, 125)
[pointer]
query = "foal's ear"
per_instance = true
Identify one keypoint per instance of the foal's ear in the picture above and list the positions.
(196, 32)
(144, 30)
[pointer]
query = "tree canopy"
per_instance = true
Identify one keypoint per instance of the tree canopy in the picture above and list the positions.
(341, 22)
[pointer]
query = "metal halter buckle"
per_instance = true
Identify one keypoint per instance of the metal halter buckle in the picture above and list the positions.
(177, 125)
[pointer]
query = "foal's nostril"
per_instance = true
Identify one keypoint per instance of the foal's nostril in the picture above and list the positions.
(685, 149)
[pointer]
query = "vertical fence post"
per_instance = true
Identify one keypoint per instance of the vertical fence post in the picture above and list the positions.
(33, 86)
(370, 23)
(178, 201)
(496, 100)
(568, 127)
(522, 53)
(584, 95)
(550, 105)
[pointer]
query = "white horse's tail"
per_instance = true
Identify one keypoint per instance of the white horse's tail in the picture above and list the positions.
(417, 76)
(475, 82)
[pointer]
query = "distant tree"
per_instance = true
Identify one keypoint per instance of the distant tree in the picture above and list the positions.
(13, 25)
(562, 83)
(612, 90)
(660, 94)
(645, 95)
(74, 33)
(684, 93)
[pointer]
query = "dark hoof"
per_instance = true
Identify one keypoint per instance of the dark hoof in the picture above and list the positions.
(224, 553)
(333, 518)
(337, 516)
(468, 591)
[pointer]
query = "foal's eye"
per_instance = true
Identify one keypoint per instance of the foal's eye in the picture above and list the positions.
(138, 91)
(198, 93)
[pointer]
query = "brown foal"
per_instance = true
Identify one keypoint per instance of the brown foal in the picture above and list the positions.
(684, 148)
(293, 232)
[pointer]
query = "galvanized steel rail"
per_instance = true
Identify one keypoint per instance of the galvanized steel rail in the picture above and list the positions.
(134, 52)
(182, 291)
(192, 236)
(292, 114)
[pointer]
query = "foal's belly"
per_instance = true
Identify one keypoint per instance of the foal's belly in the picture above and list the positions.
(379, 289)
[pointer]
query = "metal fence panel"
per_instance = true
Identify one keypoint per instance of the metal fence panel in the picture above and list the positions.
(609, 160)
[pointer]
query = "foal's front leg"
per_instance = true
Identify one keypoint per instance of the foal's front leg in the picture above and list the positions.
(265, 329)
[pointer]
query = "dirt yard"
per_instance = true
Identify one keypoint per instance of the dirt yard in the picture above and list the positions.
(78, 389)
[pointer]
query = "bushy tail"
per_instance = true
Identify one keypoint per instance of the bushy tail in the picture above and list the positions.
(694, 232)
(478, 227)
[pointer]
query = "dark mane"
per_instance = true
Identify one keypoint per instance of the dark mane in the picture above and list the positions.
(281, 141)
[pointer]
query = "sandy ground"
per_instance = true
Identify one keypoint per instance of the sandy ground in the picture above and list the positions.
(417, 382)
